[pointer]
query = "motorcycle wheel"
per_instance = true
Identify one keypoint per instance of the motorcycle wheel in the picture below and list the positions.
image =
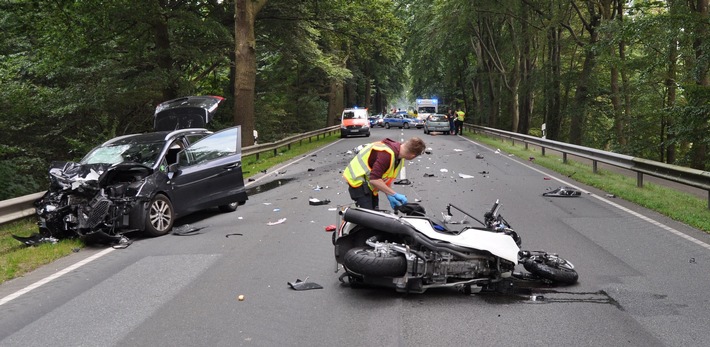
(552, 268)
(365, 261)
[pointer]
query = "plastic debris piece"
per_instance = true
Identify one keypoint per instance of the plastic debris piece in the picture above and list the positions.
(332, 209)
(404, 182)
(610, 196)
(318, 187)
(479, 156)
(233, 234)
(444, 170)
(240, 298)
(186, 230)
(417, 200)
(531, 158)
(251, 179)
(318, 202)
(483, 172)
(277, 209)
(330, 228)
(563, 192)
(303, 285)
(546, 178)
(428, 175)
(311, 169)
(267, 203)
(277, 222)
(458, 150)
(35, 239)
(465, 175)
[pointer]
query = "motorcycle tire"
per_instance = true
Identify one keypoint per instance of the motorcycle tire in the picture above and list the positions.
(557, 273)
(365, 261)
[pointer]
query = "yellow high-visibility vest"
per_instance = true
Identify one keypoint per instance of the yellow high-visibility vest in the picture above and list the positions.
(358, 171)
(460, 115)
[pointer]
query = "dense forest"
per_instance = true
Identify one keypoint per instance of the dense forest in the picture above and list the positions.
(624, 76)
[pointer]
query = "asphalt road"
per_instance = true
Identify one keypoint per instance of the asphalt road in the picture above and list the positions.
(643, 278)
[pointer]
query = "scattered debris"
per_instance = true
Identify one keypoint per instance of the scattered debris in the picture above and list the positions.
(240, 297)
(546, 178)
(277, 209)
(458, 150)
(691, 260)
(497, 151)
(35, 239)
(233, 234)
(277, 222)
(479, 156)
(303, 285)
(444, 170)
(531, 158)
(417, 200)
(610, 196)
(311, 169)
(263, 171)
(186, 230)
(563, 192)
(465, 175)
(250, 179)
(428, 175)
(330, 228)
(318, 202)
(404, 182)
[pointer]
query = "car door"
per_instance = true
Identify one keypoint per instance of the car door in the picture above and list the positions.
(209, 173)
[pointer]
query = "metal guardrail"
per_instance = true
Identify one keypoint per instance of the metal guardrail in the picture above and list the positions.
(679, 174)
(21, 207)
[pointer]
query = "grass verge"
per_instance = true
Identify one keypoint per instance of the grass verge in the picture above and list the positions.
(16, 259)
(694, 211)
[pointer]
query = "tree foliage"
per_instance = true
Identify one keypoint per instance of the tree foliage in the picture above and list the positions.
(627, 76)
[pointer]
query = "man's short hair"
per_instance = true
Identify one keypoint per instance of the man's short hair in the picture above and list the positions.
(416, 145)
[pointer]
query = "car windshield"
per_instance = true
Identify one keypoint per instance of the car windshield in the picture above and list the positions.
(142, 153)
(353, 114)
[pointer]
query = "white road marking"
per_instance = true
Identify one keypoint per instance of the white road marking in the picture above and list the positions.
(54, 276)
(633, 213)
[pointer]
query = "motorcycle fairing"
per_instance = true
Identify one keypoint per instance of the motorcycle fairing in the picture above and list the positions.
(498, 244)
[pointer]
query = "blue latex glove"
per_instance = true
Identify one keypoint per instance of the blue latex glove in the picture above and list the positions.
(397, 200)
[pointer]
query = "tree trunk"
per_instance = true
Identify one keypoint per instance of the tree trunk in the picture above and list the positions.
(667, 135)
(698, 155)
(581, 97)
(162, 48)
(553, 121)
(245, 76)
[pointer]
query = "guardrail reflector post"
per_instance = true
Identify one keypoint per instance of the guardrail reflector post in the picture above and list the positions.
(543, 151)
(594, 166)
(564, 157)
(639, 179)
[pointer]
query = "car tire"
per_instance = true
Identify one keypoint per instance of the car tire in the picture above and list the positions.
(406, 125)
(160, 217)
(387, 125)
(228, 207)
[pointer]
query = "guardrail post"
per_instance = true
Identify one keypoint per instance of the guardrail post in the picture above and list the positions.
(275, 152)
(543, 151)
(564, 157)
(594, 166)
(526, 145)
(639, 179)
(289, 146)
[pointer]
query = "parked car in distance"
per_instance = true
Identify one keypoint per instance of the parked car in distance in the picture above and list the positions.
(353, 121)
(376, 120)
(143, 182)
(400, 120)
(436, 122)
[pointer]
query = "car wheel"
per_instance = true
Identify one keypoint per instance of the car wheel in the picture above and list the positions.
(231, 207)
(406, 125)
(160, 216)
(387, 125)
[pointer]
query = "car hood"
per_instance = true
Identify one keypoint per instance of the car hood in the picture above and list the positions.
(88, 177)
(186, 112)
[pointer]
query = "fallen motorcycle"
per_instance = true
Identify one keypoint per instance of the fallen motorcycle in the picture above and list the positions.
(413, 253)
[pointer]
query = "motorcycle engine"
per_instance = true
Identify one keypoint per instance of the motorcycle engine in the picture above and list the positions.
(445, 265)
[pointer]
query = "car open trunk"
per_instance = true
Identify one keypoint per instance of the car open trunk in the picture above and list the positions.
(186, 112)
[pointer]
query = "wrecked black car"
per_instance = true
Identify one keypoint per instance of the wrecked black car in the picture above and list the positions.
(143, 182)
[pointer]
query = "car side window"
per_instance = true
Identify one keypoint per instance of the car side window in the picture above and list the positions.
(217, 145)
